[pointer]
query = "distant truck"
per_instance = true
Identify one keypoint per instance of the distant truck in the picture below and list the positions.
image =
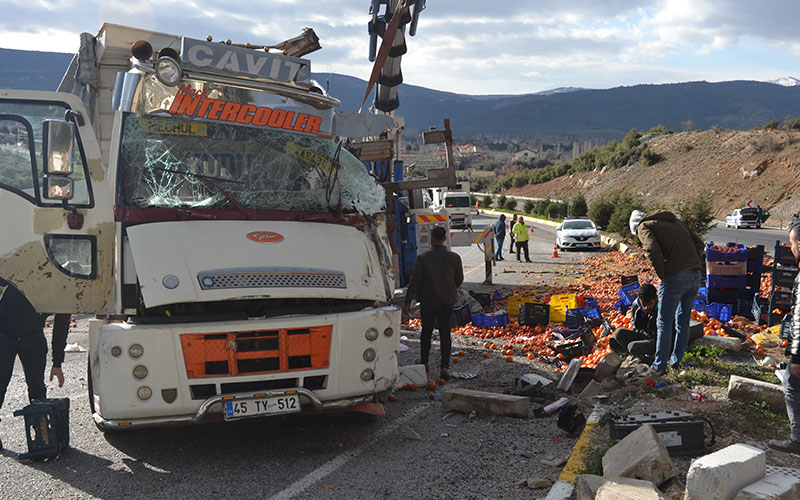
(190, 194)
(456, 202)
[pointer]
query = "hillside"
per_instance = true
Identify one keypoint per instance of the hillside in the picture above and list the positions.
(734, 166)
(560, 115)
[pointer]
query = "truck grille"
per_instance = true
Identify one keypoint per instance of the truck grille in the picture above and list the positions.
(253, 352)
(272, 278)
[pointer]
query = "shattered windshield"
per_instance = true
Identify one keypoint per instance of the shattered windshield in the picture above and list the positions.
(174, 163)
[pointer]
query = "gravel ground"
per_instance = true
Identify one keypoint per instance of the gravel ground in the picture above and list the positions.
(337, 456)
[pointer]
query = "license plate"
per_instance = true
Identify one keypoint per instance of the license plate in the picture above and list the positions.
(581, 244)
(262, 406)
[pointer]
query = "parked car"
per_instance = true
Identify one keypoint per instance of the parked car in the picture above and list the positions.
(746, 217)
(577, 234)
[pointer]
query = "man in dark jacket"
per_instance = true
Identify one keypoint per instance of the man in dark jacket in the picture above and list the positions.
(791, 385)
(437, 275)
(640, 342)
(500, 236)
(21, 335)
(676, 254)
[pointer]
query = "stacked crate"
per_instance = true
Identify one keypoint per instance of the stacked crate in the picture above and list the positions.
(755, 266)
(726, 278)
(784, 271)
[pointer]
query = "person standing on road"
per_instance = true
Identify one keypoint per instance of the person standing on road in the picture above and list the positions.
(791, 384)
(520, 231)
(434, 283)
(759, 216)
(500, 236)
(21, 334)
(676, 254)
(511, 233)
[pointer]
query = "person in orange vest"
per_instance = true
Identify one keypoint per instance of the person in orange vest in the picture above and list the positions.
(520, 231)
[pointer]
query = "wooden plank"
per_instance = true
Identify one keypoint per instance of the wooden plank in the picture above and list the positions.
(380, 150)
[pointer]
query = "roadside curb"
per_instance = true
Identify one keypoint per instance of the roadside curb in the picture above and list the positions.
(565, 486)
(607, 240)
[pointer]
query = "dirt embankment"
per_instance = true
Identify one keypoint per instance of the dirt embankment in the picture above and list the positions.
(732, 166)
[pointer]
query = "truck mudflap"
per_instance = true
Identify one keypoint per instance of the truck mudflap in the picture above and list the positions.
(213, 409)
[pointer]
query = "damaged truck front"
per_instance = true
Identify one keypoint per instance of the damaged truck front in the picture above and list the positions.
(236, 253)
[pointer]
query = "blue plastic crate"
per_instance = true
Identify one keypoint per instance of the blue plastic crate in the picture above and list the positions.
(628, 293)
(480, 319)
(726, 281)
(739, 255)
(621, 306)
(723, 295)
(699, 305)
(722, 312)
(589, 302)
(574, 318)
(701, 293)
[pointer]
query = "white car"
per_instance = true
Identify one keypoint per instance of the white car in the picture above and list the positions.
(577, 234)
(745, 217)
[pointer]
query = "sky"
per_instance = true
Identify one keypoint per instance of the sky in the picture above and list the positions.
(469, 46)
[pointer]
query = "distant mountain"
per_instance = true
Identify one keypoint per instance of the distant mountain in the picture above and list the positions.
(786, 81)
(565, 113)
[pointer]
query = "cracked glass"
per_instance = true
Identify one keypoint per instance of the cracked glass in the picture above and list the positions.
(176, 163)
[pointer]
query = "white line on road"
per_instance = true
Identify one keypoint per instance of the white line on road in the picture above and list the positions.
(317, 474)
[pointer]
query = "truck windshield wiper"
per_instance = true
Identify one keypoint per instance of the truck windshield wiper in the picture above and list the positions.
(211, 181)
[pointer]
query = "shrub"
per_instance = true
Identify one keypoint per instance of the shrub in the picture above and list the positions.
(511, 204)
(472, 200)
(578, 206)
(624, 204)
(557, 210)
(501, 201)
(487, 201)
(528, 206)
(600, 211)
(772, 125)
(650, 157)
(541, 207)
(696, 213)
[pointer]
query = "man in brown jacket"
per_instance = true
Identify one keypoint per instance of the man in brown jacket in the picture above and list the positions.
(676, 254)
(437, 275)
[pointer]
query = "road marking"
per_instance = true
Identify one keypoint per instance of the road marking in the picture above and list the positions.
(317, 474)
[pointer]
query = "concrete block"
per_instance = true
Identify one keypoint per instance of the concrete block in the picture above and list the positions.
(485, 403)
(747, 390)
(412, 374)
(569, 375)
(593, 389)
(774, 486)
(640, 455)
(586, 486)
(623, 488)
(607, 366)
(673, 489)
(727, 343)
(720, 475)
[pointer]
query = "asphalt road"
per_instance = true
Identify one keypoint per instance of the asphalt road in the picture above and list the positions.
(416, 451)
(765, 236)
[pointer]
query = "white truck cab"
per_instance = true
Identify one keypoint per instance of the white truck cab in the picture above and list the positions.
(190, 194)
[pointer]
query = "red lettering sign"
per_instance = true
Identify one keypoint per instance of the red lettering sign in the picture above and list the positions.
(265, 237)
(195, 103)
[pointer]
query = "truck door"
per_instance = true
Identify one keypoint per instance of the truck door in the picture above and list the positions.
(56, 218)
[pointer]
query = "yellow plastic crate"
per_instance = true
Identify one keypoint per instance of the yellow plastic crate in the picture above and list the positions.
(559, 305)
(515, 302)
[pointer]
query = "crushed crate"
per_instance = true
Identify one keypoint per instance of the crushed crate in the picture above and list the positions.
(46, 427)
(739, 254)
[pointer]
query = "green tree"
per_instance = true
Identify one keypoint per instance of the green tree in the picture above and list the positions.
(696, 213)
(578, 206)
(650, 157)
(541, 207)
(556, 209)
(529, 206)
(600, 211)
(487, 201)
(501, 201)
(511, 204)
(624, 204)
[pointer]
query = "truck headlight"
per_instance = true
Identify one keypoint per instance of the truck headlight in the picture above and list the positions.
(136, 351)
(371, 334)
(144, 393)
(140, 372)
(168, 71)
(369, 355)
(367, 375)
(388, 332)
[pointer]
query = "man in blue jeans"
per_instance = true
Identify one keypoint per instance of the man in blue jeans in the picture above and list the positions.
(791, 386)
(676, 254)
(500, 236)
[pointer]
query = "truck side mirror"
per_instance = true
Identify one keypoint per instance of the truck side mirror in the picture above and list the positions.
(59, 142)
(59, 187)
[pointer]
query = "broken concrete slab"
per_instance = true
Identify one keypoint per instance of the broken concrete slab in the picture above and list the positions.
(485, 403)
(727, 343)
(555, 460)
(640, 455)
(747, 390)
(412, 374)
(586, 486)
(592, 389)
(531, 378)
(720, 475)
(775, 486)
(569, 375)
(536, 483)
(623, 488)
(607, 366)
